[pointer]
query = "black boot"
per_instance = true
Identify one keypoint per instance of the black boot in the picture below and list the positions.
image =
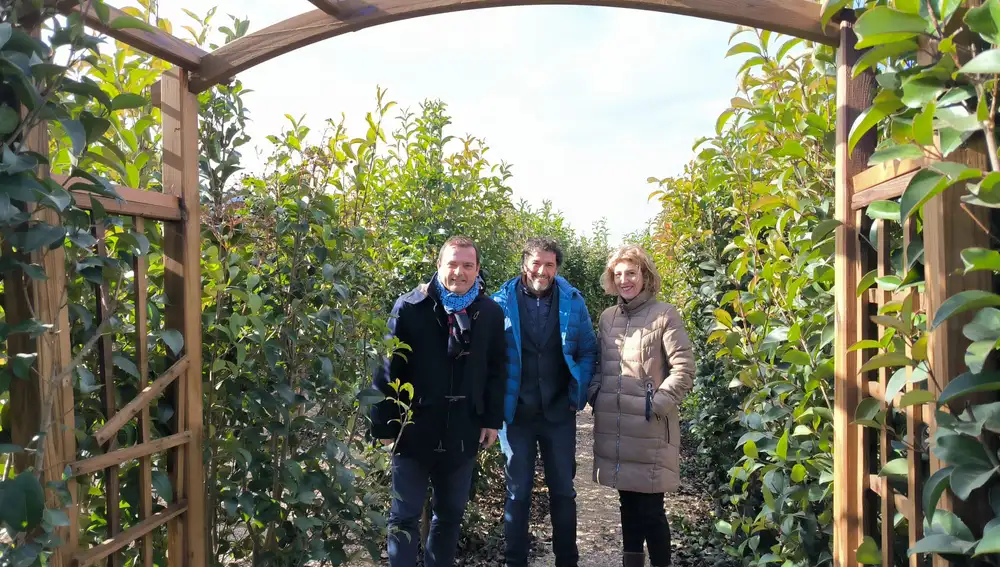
(633, 559)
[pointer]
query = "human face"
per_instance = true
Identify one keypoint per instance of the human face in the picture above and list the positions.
(458, 268)
(628, 280)
(540, 270)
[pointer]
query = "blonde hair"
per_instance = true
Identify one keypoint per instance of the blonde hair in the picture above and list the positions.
(634, 255)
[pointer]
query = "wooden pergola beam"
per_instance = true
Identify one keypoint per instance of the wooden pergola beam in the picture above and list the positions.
(799, 18)
(157, 43)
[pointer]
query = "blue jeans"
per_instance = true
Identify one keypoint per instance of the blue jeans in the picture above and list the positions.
(520, 444)
(450, 488)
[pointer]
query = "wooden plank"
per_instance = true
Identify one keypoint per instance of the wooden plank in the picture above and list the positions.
(792, 17)
(140, 530)
(182, 248)
(887, 171)
(900, 502)
(140, 402)
(884, 191)
(54, 349)
(854, 95)
(887, 505)
(106, 372)
(115, 458)
(140, 266)
(948, 229)
(916, 416)
(146, 204)
(157, 42)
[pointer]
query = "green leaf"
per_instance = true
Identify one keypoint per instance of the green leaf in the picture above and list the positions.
(744, 47)
(798, 473)
(967, 478)
(969, 383)
(164, 489)
(796, 357)
(881, 25)
(962, 302)
(894, 152)
(941, 544)
(782, 450)
(866, 282)
(823, 229)
(750, 450)
(9, 118)
(173, 339)
(895, 468)
(868, 119)
(868, 413)
(126, 365)
(985, 326)
(920, 90)
(869, 553)
(882, 53)
(829, 9)
(125, 21)
(987, 62)
(985, 20)
(886, 360)
(915, 397)
(961, 450)
(934, 488)
(369, 396)
(977, 353)
(6, 32)
(128, 100)
(923, 126)
(927, 184)
(77, 133)
(22, 502)
(888, 210)
(977, 259)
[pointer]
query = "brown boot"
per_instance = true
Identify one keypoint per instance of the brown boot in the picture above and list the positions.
(634, 559)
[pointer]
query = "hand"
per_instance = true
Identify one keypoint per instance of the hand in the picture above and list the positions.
(487, 437)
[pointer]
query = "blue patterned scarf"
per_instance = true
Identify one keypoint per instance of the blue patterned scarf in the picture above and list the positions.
(453, 302)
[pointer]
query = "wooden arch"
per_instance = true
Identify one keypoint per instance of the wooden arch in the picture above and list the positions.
(337, 17)
(177, 207)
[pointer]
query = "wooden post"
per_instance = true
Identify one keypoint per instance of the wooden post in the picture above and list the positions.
(182, 254)
(854, 95)
(41, 403)
(949, 228)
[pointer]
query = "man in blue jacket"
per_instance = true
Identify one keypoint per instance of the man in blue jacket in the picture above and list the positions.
(551, 355)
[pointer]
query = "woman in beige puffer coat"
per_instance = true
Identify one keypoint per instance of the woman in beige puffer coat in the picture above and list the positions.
(646, 368)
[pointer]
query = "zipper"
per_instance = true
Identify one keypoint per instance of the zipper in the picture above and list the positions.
(621, 371)
(649, 401)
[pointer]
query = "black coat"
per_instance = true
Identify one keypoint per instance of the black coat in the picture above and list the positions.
(453, 398)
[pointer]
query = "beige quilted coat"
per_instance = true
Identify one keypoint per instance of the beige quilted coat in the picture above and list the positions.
(646, 361)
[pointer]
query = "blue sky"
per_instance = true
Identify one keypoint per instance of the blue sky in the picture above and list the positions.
(586, 103)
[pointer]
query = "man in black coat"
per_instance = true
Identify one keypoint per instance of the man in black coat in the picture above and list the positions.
(452, 378)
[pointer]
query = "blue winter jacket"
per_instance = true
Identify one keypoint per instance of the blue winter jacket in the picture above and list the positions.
(578, 340)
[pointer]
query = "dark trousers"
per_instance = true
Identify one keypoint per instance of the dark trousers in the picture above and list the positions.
(521, 443)
(645, 521)
(450, 484)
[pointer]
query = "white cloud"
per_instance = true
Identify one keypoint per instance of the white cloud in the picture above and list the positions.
(585, 102)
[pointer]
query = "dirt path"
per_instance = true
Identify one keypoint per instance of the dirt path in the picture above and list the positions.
(599, 533)
(598, 530)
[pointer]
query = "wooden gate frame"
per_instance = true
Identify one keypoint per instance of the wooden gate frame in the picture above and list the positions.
(178, 206)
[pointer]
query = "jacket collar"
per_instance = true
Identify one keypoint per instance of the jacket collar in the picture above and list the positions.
(636, 303)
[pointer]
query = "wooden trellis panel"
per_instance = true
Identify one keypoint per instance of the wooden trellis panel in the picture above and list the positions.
(178, 209)
(947, 231)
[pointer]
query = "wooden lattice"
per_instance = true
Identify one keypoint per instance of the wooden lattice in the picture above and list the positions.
(177, 208)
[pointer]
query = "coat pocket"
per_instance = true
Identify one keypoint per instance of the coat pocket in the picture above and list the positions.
(649, 401)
